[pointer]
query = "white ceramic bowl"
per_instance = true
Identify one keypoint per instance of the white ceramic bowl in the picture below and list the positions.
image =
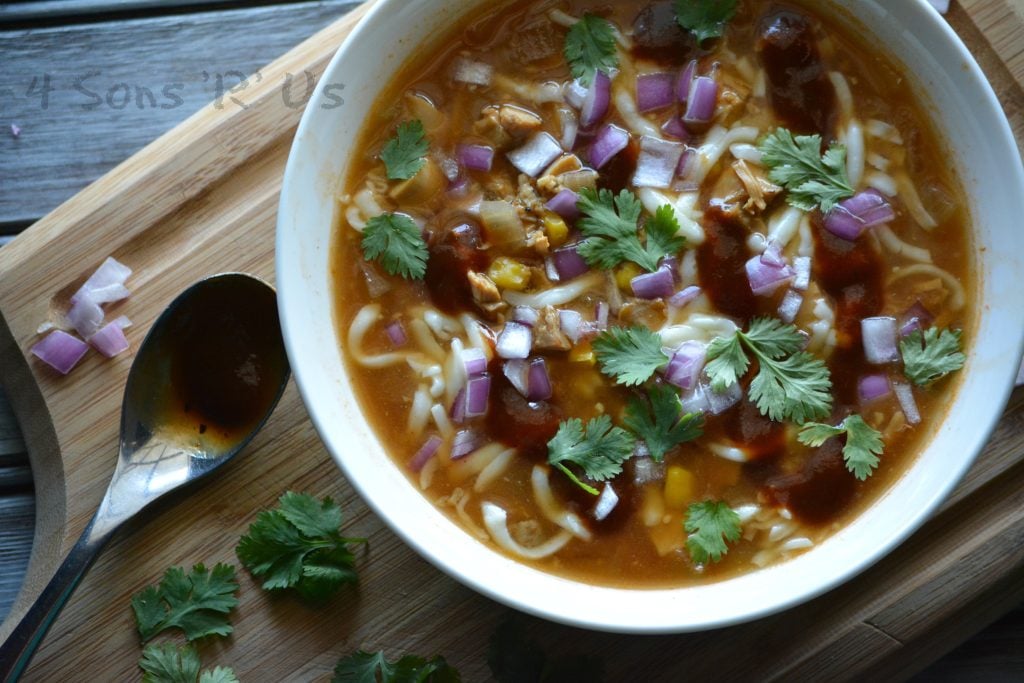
(967, 114)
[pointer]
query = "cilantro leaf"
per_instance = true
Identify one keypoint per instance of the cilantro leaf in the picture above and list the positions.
(929, 356)
(404, 154)
(811, 179)
(863, 443)
(709, 525)
(515, 658)
(663, 425)
(610, 225)
(789, 385)
(629, 354)
(599, 450)
(197, 602)
(396, 241)
(705, 18)
(298, 545)
(366, 667)
(590, 47)
(165, 663)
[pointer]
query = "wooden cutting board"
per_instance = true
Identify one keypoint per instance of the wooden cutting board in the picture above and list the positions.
(202, 199)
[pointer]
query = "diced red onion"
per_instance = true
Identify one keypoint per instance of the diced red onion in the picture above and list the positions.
(655, 91)
(515, 372)
(106, 284)
(60, 350)
(595, 102)
(514, 341)
(606, 502)
(772, 255)
(657, 163)
(458, 187)
(802, 270)
(917, 317)
(765, 279)
(657, 285)
(873, 387)
(575, 93)
(85, 315)
(671, 264)
(458, 409)
(905, 395)
(610, 141)
(538, 381)
(674, 127)
(681, 298)
(696, 401)
(790, 306)
(565, 205)
(122, 321)
(570, 127)
(396, 333)
(684, 367)
(718, 403)
(525, 315)
(472, 72)
(701, 101)
(879, 338)
(536, 155)
(450, 168)
(645, 470)
(465, 442)
(475, 157)
(861, 211)
(685, 81)
(687, 165)
(473, 361)
(569, 263)
(601, 311)
(425, 453)
(478, 390)
(110, 340)
(571, 323)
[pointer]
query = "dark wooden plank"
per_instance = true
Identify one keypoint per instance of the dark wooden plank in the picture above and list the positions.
(87, 97)
(17, 523)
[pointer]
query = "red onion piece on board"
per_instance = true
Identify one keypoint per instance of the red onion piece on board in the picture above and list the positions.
(60, 350)
(568, 262)
(879, 339)
(475, 157)
(610, 141)
(514, 341)
(851, 217)
(110, 340)
(85, 316)
(656, 166)
(657, 285)
(685, 365)
(765, 279)
(873, 387)
(425, 453)
(536, 155)
(595, 102)
(655, 91)
(565, 205)
(702, 101)
(106, 284)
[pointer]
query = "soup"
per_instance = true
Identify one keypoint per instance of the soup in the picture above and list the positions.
(651, 297)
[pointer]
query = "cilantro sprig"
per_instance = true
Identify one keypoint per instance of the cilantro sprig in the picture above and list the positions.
(165, 663)
(610, 225)
(629, 354)
(397, 243)
(298, 545)
(599, 449)
(863, 442)
(812, 179)
(660, 421)
(590, 47)
(710, 524)
(790, 384)
(705, 18)
(374, 667)
(405, 154)
(932, 355)
(197, 602)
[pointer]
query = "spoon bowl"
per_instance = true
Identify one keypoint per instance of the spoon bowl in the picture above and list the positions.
(205, 379)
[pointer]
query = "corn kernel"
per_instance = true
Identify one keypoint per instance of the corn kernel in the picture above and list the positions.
(556, 229)
(509, 274)
(680, 487)
(624, 275)
(582, 353)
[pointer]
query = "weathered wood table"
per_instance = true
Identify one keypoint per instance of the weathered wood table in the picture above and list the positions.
(89, 82)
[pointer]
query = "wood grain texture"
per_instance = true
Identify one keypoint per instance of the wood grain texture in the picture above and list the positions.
(202, 200)
(128, 85)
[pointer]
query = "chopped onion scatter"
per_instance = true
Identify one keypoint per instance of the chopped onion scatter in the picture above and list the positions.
(790, 306)
(657, 163)
(610, 141)
(853, 216)
(60, 350)
(425, 453)
(538, 381)
(538, 152)
(514, 341)
(474, 361)
(476, 157)
(675, 128)
(680, 299)
(110, 340)
(458, 411)
(571, 323)
(654, 91)
(873, 387)
(570, 127)
(515, 371)
(473, 73)
(477, 391)
(718, 403)
(702, 101)
(601, 312)
(879, 338)
(465, 442)
(802, 271)
(657, 285)
(525, 315)
(596, 100)
(685, 366)
(606, 502)
(565, 205)
(917, 317)
(569, 263)
(685, 81)
(772, 255)
(85, 316)
(396, 333)
(905, 395)
(696, 401)
(106, 284)
(764, 278)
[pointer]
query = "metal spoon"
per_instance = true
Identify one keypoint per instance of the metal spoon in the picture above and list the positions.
(204, 381)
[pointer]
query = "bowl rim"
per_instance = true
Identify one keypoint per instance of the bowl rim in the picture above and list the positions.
(580, 618)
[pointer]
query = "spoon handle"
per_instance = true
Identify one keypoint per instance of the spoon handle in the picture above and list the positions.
(17, 651)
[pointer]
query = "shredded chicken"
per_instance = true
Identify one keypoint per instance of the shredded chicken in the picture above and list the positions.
(489, 126)
(547, 332)
(485, 293)
(517, 121)
(759, 189)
